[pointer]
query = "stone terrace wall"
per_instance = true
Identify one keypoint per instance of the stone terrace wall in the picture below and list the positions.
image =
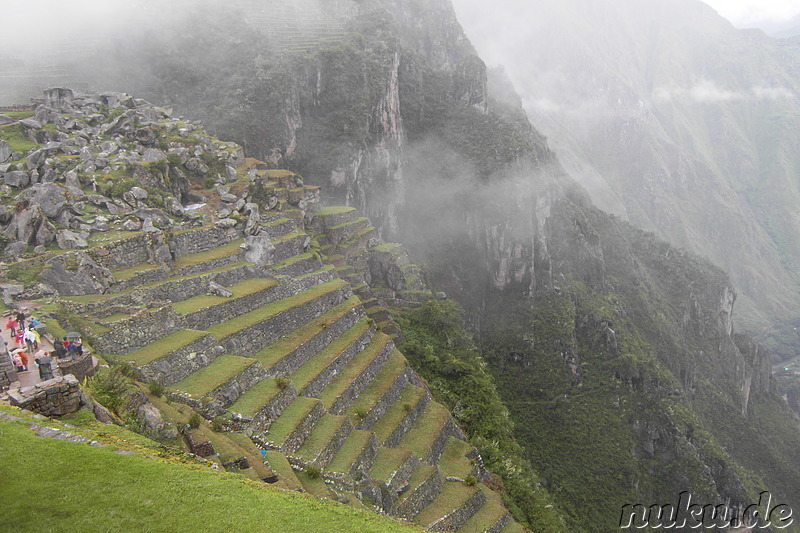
(202, 239)
(8, 374)
(55, 397)
(139, 330)
(123, 254)
(81, 367)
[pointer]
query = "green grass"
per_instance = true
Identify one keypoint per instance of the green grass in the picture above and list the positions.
(288, 236)
(287, 478)
(128, 273)
(241, 322)
(14, 135)
(321, 435)
(18, 114)
(343, 380)
(239, 290)
(387, 462)
(377, 388)
(163, 346)
(212, 376)
(215, 253)
(87, 489)
(294, 413)
(453, 495)
(257, 397)
(292, 260)
(314, 366)
(489, 513)
(386, 247)
(356, 441)
(334, 210)
(348, 223)
(453, 461)
(425, 429)
(99, 238)
(276, 351)
(410, 396)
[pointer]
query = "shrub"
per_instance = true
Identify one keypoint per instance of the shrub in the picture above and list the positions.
(282, 383)
(156, 389)
(217, 425)
(470, 480)
(313, 471)
(109, 387)
(360, 413)
(194, 421)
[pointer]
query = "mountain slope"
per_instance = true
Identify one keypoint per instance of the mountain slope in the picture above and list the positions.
(675, 120)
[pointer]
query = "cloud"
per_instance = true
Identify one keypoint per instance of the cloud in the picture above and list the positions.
(708, 92)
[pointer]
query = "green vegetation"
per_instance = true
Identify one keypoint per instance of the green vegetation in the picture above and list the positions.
(163, 346)
(96, 487)
(17, 139)
(212, 376)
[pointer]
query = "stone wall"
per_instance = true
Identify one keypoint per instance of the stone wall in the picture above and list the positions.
(305, 351)
(423, 495)
(456, 519)
(405, 424)
(138, 331)
(124, 253)
(363, 380)
(300, 267)
(252, 339)
(332, 446)
(202, 239)
(229, 392)
(403, 473)
(296, 438)
(205, 318)
(387, 400)
(8, 374)
(265, 416)
(326, 374)
(448, 429)
(81, 368)
(178, 364)
(55, 397)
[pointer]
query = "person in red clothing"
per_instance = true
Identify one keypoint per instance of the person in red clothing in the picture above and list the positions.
(12, 325)
(24, 358)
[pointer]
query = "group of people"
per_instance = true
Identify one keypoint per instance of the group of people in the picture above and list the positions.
(28, 340)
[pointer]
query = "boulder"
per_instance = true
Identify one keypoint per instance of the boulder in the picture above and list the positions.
(139, 193)
(153, 154)
(228, 198)
(5, 151)
(31, 124)
(17, 178)
(15, 249)
(25, 223)
(5, 119)
(132, 224)
(259, 250)
(226, 223)
(69, 240)
(88, 278)
(58, 96)
(159, 217)
(215, 289)
(50, 197)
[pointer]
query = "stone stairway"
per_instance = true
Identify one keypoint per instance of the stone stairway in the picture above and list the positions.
(287, 358)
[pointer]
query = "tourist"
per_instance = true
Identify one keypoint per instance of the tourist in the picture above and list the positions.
(72, 350)
(18, 337)
(24, 358)
(12, 325)
(36, 337)
(34, 323)
(21, 320)
(17, 361)
(30, 340)
(43, 361)
(60, 351)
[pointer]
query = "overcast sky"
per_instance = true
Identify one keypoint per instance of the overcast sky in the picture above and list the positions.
(747, 13)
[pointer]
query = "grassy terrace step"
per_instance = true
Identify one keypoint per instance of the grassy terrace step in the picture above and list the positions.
(402, 408)
(257, 397)
(273, 353)
(239, 290)
(287, 478)
(426, 429)
(492, 514)
(163, 346)
(317, 365)
(454, 494)
(239, 323)
(512, 527)
(190, 260)
(421, 474)
(325, 438)
(394, 369)
(129, 273)
(351, 451)
(212, 376)
(453, 462)
(345, 379)
(107, 297)
(315, 486)
(294, 415)
(387, 462)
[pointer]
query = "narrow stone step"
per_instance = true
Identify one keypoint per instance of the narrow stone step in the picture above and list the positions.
(279, 226)
(288, 432)
(288, 353)
(456, 503)
(430, 432)
(227, 254)
(174, 357)
(424, 486)
(357, 244)
(311, 378)
(259, 407)
(224, 380)
(356, 455)
(286, 475)
(325, 439)
(249, 333)
(381, 393)
(298, 265)
(492, 517)
(203, 311)
(289, 245)
(394, 467)
(399, 418)
(357, 375)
